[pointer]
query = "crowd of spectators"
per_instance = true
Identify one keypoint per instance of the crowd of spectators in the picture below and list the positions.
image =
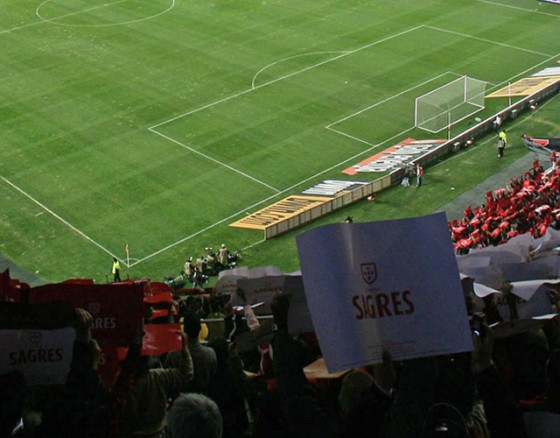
(507, 387)
(528, 204)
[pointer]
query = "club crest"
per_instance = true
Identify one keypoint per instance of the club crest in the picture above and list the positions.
(369, 272)
(94, 308)
(34, 337)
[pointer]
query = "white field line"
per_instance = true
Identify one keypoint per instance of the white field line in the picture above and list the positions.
(210, 105)
(209, 227)
(548, 58)
(443, 74)
(152, 129)
(220, 163)
(301, 55)
(55, 215)
(485, 40)
(52, 20)
(524, 72)
(352, 137)
(441, 163)
(491, 139)
(393, 137)
(389, 98)
(256, 204)
(532, 11)
(253, 87)
(372, 146)
(330, 127)
(23, 26)
(48, 20)
(281, 78)
(121, 23)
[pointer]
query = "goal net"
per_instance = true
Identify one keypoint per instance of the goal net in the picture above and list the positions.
(449, 104)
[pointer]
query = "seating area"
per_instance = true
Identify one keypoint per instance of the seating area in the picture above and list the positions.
(527, 204)
(260, 379)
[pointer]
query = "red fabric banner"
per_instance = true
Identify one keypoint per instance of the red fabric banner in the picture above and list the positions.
(155, 288)
(109, 364)
(161, 338)
(164, 297)
(159, 313)
(117, 309)
(79, 281)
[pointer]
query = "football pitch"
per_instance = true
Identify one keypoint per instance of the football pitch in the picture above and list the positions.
(156, 124)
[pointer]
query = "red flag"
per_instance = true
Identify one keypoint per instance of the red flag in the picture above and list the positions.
(109, 365)
(157, 292)
(117, 309)
(164, 297)
(161, 338)
(159, 313)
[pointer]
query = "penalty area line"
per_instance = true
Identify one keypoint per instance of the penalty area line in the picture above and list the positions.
(390, 98)
(220, 163)
(284, 77)
(531, 11)
(256, 204)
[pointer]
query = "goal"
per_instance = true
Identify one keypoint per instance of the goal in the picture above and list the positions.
(449, 104)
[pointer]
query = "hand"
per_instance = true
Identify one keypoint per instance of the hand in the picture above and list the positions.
(385, 374)
(82, 323)
(483, 348)
(511, 300)
(96, 354)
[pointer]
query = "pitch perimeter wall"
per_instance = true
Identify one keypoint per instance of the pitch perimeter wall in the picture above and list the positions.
(297, 210)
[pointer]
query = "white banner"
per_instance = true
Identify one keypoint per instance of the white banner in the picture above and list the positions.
(227, 279)
(43, 356)
(532, 301)
(259, 290)
(391, 285)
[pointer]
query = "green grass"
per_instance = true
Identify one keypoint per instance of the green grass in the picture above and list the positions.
(157, 124)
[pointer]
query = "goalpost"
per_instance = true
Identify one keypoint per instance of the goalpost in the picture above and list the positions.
(449, 104)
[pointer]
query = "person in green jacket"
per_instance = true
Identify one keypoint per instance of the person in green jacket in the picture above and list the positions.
(502, 143)
(116, 270)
